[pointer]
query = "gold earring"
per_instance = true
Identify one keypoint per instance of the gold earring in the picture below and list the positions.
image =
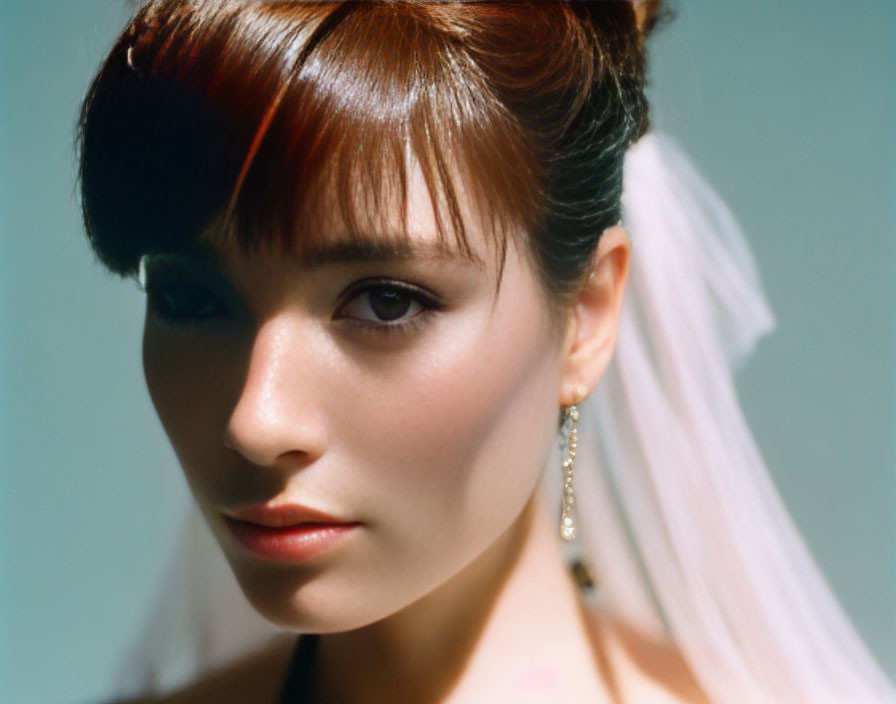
(569, 429)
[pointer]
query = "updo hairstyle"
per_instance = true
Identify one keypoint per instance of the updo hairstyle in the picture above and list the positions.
(256, 123)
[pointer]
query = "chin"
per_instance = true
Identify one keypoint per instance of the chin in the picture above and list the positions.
(307, 602)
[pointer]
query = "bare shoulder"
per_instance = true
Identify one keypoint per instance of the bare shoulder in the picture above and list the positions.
(256, 678)
(647, 670)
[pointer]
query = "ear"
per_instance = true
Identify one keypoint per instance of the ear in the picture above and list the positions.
(594, 318)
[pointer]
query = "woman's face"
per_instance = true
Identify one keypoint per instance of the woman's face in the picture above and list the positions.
(397, 392)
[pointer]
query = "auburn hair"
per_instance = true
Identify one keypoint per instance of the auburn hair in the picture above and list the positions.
(258, 122)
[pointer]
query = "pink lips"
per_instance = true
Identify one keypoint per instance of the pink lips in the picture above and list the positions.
(287, 533)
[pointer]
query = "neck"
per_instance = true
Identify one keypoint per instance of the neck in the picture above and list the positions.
(509, 627)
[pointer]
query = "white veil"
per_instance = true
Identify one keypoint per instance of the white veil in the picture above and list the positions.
(680, 518)
(677, 514)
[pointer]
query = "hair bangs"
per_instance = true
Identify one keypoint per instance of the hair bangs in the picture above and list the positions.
(276, 124)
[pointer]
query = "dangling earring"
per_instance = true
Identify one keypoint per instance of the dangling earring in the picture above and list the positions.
(569, 429)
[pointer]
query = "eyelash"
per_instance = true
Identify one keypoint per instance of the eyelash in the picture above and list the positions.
(429, 305)
(156, 293)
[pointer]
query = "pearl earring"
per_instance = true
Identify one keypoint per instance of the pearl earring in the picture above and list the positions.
(569, 429)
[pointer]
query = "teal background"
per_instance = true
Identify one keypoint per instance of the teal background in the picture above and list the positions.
(790, 109)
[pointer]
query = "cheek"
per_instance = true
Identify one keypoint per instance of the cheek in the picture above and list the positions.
(458, 434)
(189, 390)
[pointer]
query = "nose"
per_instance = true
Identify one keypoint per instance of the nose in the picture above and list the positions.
(275, 420)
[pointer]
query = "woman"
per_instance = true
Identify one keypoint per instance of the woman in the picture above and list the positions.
(383, 265)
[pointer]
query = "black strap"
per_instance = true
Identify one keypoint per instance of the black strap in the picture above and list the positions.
(297, 687)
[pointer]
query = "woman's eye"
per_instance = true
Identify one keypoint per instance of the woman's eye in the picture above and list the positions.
(179, 290)
(388, 306)
(182, 302)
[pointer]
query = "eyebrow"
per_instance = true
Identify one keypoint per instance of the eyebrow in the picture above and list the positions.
(379, 250)
(342, 252)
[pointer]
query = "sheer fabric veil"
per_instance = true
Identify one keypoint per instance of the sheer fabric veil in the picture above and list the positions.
(677, 514)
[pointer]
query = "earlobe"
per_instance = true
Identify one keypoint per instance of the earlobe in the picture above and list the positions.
(594, 319)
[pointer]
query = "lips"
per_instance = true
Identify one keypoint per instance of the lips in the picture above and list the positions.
(287, 533)
(283, 516)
